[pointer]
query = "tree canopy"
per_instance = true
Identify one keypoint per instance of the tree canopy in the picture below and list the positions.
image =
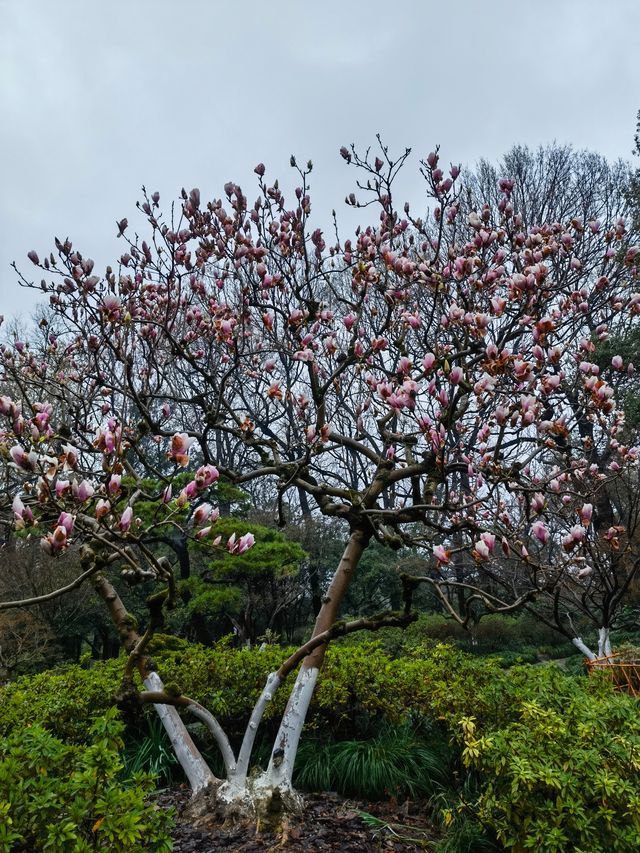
(431, 382)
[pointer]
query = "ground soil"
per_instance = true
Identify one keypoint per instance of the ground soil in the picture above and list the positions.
(330, 823)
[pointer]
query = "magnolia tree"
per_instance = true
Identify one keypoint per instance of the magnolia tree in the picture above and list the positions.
(425, 382)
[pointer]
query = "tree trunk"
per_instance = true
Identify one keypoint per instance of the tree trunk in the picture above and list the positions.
(280, 770)
(195, 767)
(604, 642)
(241, 794)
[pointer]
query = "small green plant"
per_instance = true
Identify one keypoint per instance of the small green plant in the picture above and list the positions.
(397, 831)
(151, 753)
(58, 797)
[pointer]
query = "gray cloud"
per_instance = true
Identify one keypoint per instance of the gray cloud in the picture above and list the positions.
(99, 98)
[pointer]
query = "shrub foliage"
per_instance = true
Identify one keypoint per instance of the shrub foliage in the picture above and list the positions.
(543, 760)
(61, 797)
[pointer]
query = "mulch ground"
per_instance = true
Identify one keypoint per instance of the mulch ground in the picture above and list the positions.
(330, 823)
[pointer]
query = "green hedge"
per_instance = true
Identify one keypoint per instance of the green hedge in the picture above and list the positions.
(359, 687)
(564, 774)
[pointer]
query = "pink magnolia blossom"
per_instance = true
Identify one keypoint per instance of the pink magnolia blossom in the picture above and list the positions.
(18, 507)
(191, 490)
(206, 476)
(7, 406)
(441, 554)
(585, 514)
(489, 540)
(125, 519)
(537, 502)
(456, 375)
(66, 520)
(577, 532)
(55, 542)
(70, 456)
(62, 487)
(111, 306)
(540, 532)
(240, 545)
(202, 513)
(180, 444)
(23, 460)
(83, 491)
(22, 513)
(103, 508)
(428, 361)
(481, 550)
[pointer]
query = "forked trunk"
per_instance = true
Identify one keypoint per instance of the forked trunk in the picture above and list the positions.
(604, 645)
(242, 795)
(579, 643)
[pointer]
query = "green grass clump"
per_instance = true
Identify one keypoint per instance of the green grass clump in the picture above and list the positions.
(396, 762)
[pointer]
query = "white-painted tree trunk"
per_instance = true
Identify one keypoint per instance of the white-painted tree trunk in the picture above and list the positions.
(579, 643)
(280, 770)
(193, 764)
(604, 642)
(244, 756)
(219, 736)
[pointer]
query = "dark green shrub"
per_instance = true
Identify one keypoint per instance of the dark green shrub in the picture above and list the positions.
(360, 687)
(58, 797)
(64, 702)
(575, 665)
(496, 633)
(543, 754)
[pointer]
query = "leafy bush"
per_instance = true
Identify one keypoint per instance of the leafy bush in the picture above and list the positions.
(64, 702)
(360, 687)
(553, 758)
(59, 797)
(563, 773)
(509, 636)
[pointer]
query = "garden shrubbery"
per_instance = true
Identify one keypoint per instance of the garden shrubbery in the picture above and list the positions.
(562, 776)
(532, 757)
(522, 637)
(56, 797)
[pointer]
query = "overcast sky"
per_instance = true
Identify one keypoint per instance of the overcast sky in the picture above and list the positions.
(98, 98)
